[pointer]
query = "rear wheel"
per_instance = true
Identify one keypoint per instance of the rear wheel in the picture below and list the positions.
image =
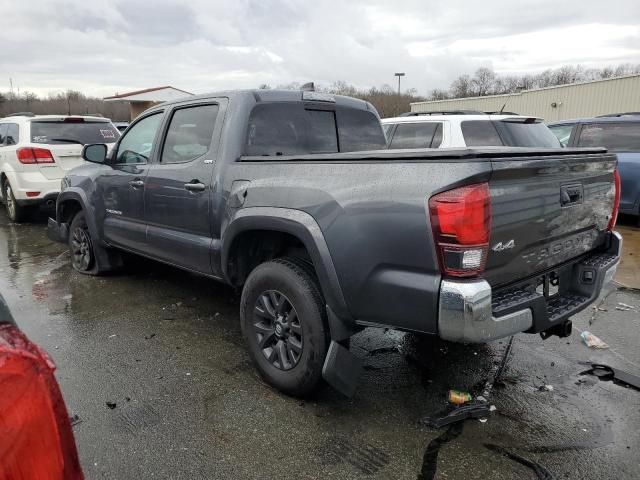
(283, 320)
(83, 257)
(15, 212)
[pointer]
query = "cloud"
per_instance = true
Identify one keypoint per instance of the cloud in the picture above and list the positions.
(101, 47)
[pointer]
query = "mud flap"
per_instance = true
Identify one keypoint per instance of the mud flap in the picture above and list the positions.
(342, 369)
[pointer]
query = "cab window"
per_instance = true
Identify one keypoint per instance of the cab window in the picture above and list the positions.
(189, 134)
(137, 143)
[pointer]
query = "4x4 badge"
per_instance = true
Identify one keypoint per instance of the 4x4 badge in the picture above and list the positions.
(500, 247)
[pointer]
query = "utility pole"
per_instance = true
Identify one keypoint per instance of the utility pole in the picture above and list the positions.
(399, 75)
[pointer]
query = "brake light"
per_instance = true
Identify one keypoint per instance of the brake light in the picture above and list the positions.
(73, 120)
(37, 440)
(461, 223)
(616, 200)
(31, 155)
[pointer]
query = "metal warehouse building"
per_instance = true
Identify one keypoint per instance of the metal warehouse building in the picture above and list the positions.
(599, 97)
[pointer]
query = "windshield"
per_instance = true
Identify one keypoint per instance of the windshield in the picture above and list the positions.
(616, 137)
(65, 132)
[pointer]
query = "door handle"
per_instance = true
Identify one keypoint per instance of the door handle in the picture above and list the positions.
(195, 186)
(137, 183)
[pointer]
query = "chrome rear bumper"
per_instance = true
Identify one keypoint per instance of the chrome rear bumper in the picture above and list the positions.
(469, 312)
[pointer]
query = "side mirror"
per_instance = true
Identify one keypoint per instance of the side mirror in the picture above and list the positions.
(95, 153)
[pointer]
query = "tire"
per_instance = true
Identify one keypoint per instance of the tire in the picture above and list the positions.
(282, 309)
(15, 212)
(86, 256)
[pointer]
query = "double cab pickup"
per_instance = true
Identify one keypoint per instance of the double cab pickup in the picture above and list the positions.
(293, 197)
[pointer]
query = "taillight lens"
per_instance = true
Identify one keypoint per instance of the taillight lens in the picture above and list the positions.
(616, 201)
(31, 155)
(36, 439)
(461, 222)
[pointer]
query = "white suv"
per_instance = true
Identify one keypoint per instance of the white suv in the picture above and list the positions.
(37, 150)
(466, 128)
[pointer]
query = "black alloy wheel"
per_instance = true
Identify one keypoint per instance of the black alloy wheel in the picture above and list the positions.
(278, 330)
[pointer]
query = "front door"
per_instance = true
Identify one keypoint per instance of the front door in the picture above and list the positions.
(122, 186)
(177, 192)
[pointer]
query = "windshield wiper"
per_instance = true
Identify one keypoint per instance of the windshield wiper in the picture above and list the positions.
(68, 140)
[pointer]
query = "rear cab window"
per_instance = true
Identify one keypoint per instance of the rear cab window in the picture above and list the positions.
(292, 128)
(73, 130)
(616, 137)
(417, 135)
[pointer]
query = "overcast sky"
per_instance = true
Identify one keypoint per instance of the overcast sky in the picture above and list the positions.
(102, 47)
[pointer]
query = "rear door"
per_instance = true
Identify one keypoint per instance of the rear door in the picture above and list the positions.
(122, 185)
(178, 191)
(547, 210)
(65, 137)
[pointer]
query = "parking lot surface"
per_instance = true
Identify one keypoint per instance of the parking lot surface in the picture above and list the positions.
(164, 349)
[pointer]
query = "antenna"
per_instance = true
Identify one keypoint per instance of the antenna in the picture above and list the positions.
(502, 109)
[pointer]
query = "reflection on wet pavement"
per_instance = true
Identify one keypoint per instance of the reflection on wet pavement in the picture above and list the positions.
(165, 348)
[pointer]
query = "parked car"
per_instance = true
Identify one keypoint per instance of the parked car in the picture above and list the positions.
(292, 197)
(37, 150)
(619, 133)
(466, 128)
(36, 439)
(121, 126)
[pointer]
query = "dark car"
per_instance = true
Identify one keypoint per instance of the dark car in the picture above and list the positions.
(36, 440)
(293, 197)
(619, 133)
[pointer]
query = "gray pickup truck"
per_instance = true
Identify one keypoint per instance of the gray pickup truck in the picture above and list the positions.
(293, 197)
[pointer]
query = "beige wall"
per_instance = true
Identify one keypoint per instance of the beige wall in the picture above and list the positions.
(136, 108)
(572, 101)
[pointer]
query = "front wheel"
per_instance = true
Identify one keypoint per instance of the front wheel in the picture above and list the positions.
(283, 320)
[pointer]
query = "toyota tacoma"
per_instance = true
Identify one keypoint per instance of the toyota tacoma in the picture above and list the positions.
(293, 197)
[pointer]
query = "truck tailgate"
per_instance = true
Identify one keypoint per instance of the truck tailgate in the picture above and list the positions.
(547, 210)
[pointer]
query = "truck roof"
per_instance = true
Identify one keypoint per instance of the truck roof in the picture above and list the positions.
(618, 118)
(263, 95)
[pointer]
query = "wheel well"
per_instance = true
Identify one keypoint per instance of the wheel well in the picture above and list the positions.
(253, 247)
(68, 210)
(3, 177)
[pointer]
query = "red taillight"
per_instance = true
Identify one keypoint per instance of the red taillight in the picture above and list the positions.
(461, 222)
(36, 440)
(616, 200)
(31, 155)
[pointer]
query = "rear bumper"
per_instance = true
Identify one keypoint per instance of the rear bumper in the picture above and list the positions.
(470, 312)
(33, 181)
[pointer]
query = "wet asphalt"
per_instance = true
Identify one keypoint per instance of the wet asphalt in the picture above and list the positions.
(165, 347)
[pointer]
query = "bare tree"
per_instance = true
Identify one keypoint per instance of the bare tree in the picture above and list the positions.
(438, 94)
(483, 81)
(461, 87)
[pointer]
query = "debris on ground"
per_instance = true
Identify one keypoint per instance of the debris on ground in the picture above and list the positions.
(472, 409)
(75, 420)
(458, 397)
(149, 337)
(546, 388)
(111, 405)
(541, 472)
(605, 372)
(624, 305)
(591, 341)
